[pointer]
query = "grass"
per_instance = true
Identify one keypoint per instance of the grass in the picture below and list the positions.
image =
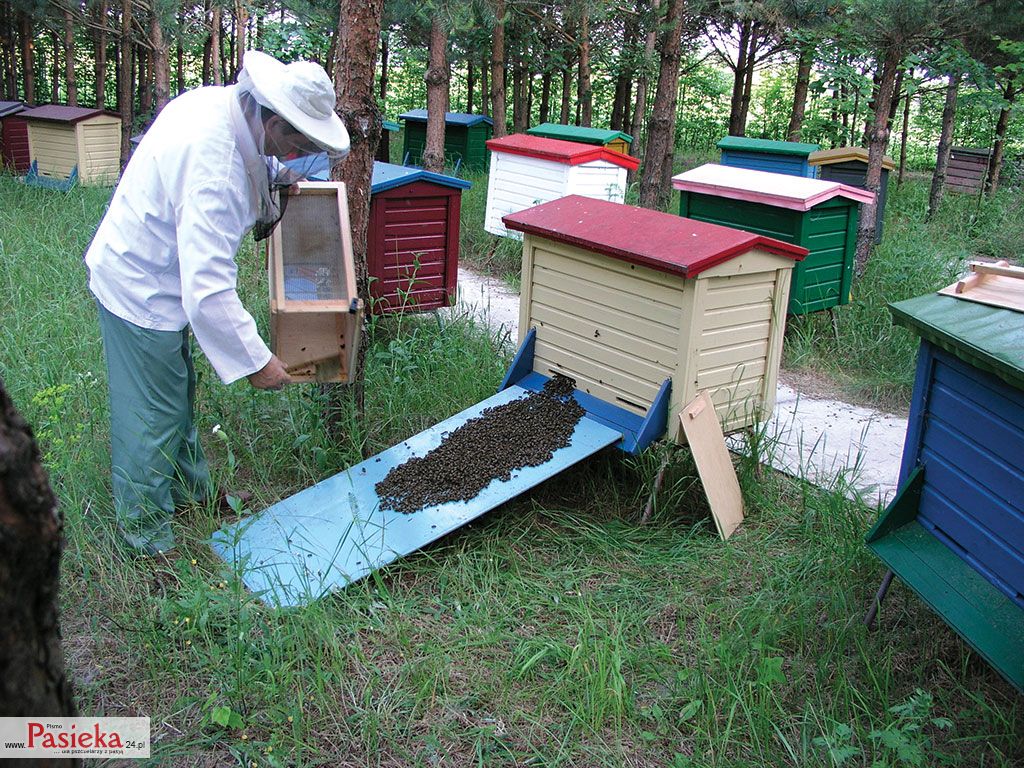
(555, 631)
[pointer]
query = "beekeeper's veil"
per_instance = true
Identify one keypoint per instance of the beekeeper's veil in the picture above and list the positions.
(314, 138)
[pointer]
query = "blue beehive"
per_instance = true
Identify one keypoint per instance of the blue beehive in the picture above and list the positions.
(788, 157)
(955, 532)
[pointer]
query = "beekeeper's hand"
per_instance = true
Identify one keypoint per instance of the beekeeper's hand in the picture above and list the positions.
(273, 375)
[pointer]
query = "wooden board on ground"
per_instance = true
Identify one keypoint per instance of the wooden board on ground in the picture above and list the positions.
(997, 284)
(717, 475)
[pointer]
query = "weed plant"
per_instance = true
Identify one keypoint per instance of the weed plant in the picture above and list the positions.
(555, 631)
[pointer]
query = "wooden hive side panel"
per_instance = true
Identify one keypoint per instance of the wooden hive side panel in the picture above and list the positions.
(737, 343)
(16, 153)
(516, 183)
(99, 149)
(54, 148)
(600, 180)
(609, 325)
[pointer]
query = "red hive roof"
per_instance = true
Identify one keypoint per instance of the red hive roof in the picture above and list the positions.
(566, 152)
(641, 236)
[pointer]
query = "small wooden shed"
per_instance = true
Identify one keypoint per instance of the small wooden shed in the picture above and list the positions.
(955, 531)
(464, 138)
(788, 157)
(413, 240)
(967, 169)
(820, 216)
(14, 137)
(614, 140)
(527, 170)
(62, 139)
(315, 311)
(849, 165)
(623, 298)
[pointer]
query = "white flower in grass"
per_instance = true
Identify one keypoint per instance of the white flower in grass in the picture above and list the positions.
(216, 429)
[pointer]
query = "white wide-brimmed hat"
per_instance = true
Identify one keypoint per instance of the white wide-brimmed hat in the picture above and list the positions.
(301, 93)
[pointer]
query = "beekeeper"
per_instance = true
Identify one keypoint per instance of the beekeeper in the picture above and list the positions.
(163, 262)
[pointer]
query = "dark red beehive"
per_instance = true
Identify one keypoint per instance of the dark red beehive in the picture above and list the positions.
(14, 137)
(413, 239)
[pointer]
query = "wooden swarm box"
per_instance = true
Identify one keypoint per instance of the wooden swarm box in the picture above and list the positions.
(315, 312)
(63, 140)
(617, 141)
(13, 137)
(849, 165)
(623, 298)
(464, 138)
(785, 157)
(967, 169)
(955, 531)
(820, 216)
(527, 170)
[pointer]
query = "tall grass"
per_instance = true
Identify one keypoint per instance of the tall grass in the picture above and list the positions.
(555, 631)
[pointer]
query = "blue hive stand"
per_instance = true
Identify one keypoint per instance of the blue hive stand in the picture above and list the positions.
(33, 179)
(336, 533)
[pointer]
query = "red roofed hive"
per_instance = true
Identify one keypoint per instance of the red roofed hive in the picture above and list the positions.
(13, 137)
(527, 170)
(624, 297)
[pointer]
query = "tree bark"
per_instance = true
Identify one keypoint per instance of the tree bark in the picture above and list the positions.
(563, 114)
(358, 42)
(145, 80)
(878, 140)
(241, 22)
(180, 56)
(498, 71)
(545, 95)
(485, 90)
(470, 83)
(161, 64)
(33, 681)
(803, 79)
(125, 91)
(636, 129)
(739, 79)
(748, 80)
(585, 89)
(55, 75)
(661, 130)
(28, 62)
(9, 52)
(619, 101)
(215, 52)
(437, 78)
(70, 84)
(517, 96)
(945, 145)
(100, 55)
(383, 67)
(999, 146)
(905, 133)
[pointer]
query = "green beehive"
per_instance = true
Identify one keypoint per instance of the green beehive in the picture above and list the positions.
(616, 141)
(820, 216)
(464, 139)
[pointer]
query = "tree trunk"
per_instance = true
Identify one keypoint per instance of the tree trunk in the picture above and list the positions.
(9, 52)
(437, 78)
(998, 147)
(498, 71)
(145, 81)
(215, 53)
(945, 145)
(661, 131)
(739, 78)
(563, 114)
(180, 56)
(545, 95)
(384, 51)
(619, 101)
(585, 89)
(55, 76)
(70, 83)
(470, 82)
(517, 97)
(125, 90)
(358, 43)
(28, 62)
(748, 80)
(878, 140)
(803, 79)
(903, 136)
(161, 64)
(485, 90)
(33, 681)
(636, 128)
(241, 22)
(100, 55)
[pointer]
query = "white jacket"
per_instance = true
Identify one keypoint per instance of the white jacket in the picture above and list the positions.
(164, 254)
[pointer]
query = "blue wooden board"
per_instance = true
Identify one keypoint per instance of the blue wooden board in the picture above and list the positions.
(334, 533)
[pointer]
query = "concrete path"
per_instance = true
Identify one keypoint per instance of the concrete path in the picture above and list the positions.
(831, 443)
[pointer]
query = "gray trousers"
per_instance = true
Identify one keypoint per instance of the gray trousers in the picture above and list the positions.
(157, 462)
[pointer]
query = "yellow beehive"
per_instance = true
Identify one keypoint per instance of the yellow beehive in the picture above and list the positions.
(62, 139)
(315, 311)
(623, 298)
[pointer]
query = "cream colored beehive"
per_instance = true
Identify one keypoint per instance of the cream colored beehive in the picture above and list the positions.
(315, 311)
(62, 139)
(623, 298)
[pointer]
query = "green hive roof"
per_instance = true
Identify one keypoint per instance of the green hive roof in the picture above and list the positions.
(744, 144)
(578, 133)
